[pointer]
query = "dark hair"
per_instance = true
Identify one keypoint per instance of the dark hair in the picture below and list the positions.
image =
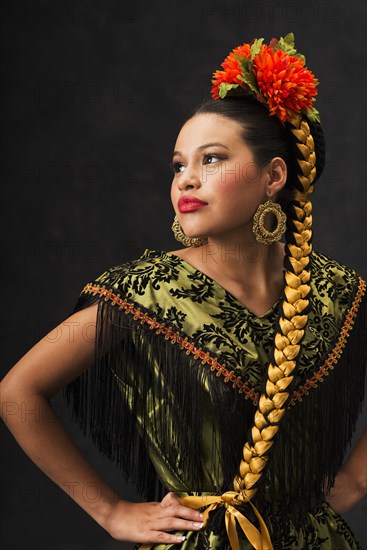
(267, 137)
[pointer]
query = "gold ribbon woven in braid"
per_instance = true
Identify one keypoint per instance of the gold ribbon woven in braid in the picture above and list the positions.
(272, 403)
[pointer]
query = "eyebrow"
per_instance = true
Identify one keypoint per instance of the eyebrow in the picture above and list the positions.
(203, 147)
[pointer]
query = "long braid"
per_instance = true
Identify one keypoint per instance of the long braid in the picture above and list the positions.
(271, 78)
(281, 371)
(272, 403)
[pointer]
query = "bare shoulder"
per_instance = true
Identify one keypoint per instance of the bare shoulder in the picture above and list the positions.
(181, 252)
(188, 254)
(193, 256)
(59, 357)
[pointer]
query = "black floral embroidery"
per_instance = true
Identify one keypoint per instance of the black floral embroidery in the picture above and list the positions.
(199, 291)
(324, 270)
(224, 327)
(215, 340)
(234, 327)
(175, 317)
(159, 310)
(210, 333)
(135, 276)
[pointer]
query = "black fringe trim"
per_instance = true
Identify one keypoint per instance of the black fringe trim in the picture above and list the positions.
(301, 470)
(112, 401)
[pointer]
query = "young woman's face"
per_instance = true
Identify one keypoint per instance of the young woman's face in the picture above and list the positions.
(212, 163)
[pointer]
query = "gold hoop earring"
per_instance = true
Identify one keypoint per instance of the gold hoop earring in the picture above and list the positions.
(262, 234)
(184, 239)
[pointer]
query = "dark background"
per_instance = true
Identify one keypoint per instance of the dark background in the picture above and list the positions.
(93, 96)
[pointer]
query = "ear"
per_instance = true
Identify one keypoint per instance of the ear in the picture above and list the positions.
(277, 176)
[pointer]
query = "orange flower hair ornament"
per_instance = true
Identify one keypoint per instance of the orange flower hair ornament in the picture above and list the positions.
(274, 74)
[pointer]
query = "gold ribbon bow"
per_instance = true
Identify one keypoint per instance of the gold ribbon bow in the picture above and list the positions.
(260, 540)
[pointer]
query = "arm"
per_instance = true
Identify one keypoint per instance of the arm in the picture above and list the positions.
(351, 482)
(58, 358)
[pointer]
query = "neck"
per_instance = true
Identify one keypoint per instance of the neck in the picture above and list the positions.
(246, 262)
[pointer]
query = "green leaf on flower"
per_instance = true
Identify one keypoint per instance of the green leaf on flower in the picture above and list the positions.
(249, 79)
(313, 115)
(286, 44)
(245, 63)
(224, 88)
(247, 75)
(288, 40)
(255, 47)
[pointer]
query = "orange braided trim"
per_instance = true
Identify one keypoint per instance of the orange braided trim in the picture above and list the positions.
(230, 376)
(174, 337)
(337, 351)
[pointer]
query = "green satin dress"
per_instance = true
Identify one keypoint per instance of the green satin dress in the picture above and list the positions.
(179, 367)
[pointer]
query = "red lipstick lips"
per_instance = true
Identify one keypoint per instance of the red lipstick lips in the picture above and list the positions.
(189, 204)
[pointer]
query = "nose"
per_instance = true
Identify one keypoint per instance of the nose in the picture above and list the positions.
(189, 179)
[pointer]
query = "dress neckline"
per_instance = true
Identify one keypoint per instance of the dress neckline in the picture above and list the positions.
(193, 270)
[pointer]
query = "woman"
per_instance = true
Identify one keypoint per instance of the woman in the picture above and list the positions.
(227, 376)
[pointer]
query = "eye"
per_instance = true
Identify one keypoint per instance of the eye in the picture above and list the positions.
(208, 158)
(176, 167)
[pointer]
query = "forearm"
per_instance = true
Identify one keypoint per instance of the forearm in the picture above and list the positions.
(41, 435)
(345, 493)
(351, 482)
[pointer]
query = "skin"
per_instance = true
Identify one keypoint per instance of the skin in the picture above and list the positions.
(58, 358)
(351, 482)
(227, 178)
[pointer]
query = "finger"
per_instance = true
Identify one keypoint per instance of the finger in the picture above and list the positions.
(188, 517)
(171, 504)
(185, 512)
(160, 537)
(169, 499)
(177, 524)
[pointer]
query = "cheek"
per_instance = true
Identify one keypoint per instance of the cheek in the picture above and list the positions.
(251, 173)
(235, 178)
(174, 194)
(223, 178)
